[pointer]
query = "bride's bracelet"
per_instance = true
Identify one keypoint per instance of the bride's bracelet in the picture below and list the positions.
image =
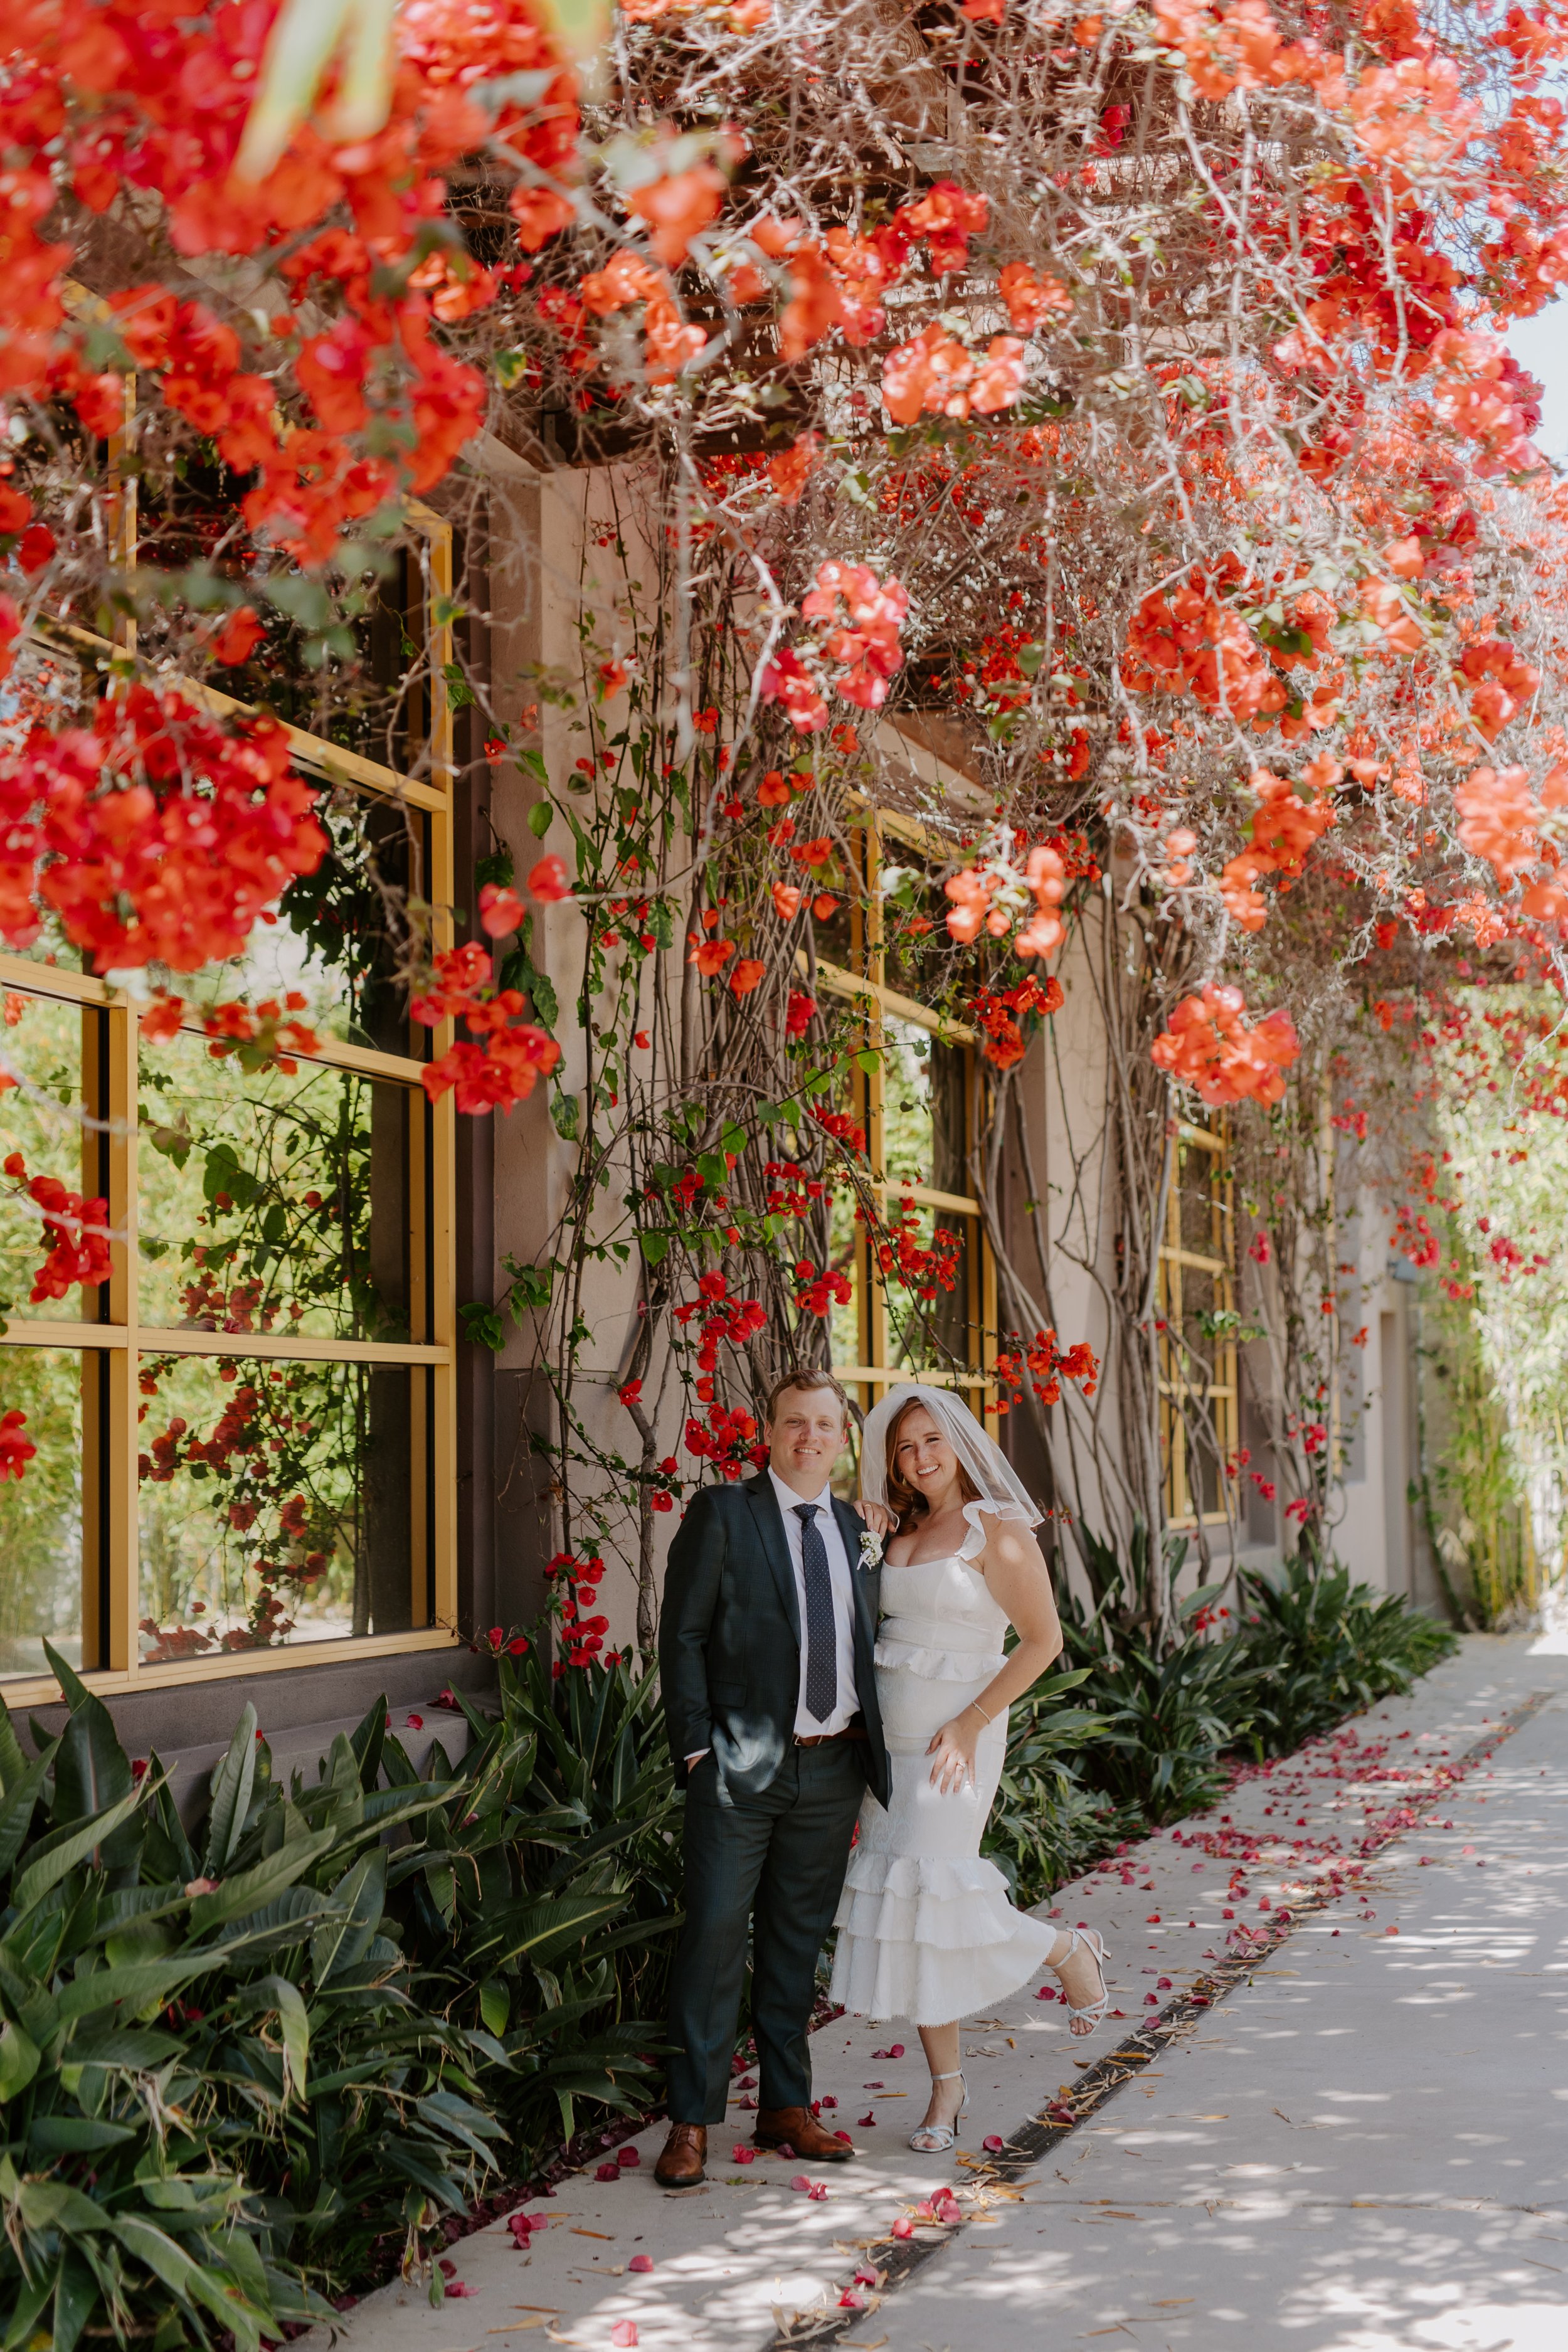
(980, 1711)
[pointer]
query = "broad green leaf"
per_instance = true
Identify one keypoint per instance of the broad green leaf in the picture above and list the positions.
(76, 2292)
(16, 1809)
(54, 2205)
(540, 1931)
(12, 1763)
(73, 1690)
(49, 1869)
(75, 2134)
(342, 1940)
(366, 1744)
(294, 2025)
(231, 1787)
(136, 1986)
(18, 2061)
(92, 1774)
(247, 1890)
(495, 2005)
(30, 2302)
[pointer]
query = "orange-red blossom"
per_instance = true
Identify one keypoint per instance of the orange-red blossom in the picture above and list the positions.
(1210, 1047)
(1284, 828)
(1499, 816)
(499, 1072)
(936, 375)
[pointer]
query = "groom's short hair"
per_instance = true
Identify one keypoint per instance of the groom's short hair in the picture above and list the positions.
(809, 1382)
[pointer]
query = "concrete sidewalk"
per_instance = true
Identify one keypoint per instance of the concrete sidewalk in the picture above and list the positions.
(1365, 2148)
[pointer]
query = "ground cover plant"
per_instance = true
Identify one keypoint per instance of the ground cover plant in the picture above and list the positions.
(250, 2065)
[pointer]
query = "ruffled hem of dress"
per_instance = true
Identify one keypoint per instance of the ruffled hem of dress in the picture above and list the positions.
(948, 1907)
(931, 1940)
(940, 1665)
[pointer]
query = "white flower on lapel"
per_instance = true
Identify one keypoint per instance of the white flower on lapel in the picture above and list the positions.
(871, 1549)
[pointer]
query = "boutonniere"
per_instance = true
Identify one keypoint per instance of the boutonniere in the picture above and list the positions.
(871, 1549)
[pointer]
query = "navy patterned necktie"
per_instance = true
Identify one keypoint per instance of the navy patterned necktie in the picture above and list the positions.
(821, 1632)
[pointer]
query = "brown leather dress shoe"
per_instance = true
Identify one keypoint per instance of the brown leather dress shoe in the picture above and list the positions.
(685, 2155)
(798, 2129)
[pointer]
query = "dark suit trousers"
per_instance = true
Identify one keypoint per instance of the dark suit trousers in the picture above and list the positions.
(779, 1860)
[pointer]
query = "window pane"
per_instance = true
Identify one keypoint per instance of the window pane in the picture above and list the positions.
(40, 1513)
(46, 1047)
(331, 941)
(279, 1204)
(927, 1286)
(923, 1115)
(1200, 1201)
(279, 1502)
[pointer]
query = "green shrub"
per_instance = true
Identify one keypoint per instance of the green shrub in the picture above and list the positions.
(567, 1822)
(1322, 1648)
(217, 2079)
(1046, 1826)
(240, 2073)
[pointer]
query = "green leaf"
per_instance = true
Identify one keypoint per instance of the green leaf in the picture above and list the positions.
(540, 1931)
(49, 1869)
(655, 1246)
(482, 1327)
(495, 2005)
(92, 1774)
(137, 1985)
(12, 1763)
(73, 1690)
(17, 1809)
(75, 2134)
(231, 1786)
(546, 1005)
(76, 2293)
(366, 1744)
(344, 1939)
(248, 1890)
(539, 818)
(277, 1993)
(18, 2061)
(30, 2302)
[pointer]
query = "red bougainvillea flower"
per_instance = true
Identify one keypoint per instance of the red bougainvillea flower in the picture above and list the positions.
(549, 881)
(1210, 1046)
(16, 1451)
(502, 912)
(501, 1070)
(238, 637)
(157, 836)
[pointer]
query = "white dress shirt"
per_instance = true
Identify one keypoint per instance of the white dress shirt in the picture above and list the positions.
(805, 1724)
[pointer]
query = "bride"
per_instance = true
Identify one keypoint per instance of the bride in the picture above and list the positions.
(926, 1930)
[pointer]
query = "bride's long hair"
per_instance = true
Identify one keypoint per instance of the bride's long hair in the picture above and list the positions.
(907, 1500)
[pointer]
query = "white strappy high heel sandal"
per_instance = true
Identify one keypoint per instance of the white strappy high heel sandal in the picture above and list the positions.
(935, 2140)
(1092, 1942)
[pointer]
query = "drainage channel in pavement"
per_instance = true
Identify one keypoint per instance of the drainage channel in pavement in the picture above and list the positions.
(897, 2260)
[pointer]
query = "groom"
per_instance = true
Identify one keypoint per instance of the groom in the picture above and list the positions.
(765, 1657)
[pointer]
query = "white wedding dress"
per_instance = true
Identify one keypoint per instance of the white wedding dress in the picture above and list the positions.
(926, 1928)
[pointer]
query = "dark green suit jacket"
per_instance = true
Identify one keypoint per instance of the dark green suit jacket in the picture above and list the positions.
(729, 1638)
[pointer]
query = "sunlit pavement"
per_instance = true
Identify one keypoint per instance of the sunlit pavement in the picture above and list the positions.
(1362, 2149)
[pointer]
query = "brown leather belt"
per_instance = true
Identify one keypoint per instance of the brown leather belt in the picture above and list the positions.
(826, 1738)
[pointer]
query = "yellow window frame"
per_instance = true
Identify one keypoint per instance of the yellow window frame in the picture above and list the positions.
(1221, 1395)
(866, 984)
(111, 1448)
